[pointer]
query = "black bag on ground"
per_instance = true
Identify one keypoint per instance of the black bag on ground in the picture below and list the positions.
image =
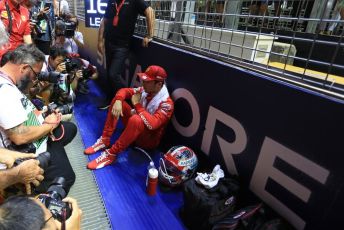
(250, 218)
(204, 207)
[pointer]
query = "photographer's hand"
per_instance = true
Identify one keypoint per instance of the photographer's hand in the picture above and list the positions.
(43, 12)
(29, 172)
(61, 67)
(74, 221)
(117, 109)
(53, 119)
(78, 74)
(8, 157)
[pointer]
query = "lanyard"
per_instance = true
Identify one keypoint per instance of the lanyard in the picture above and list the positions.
(118, 9)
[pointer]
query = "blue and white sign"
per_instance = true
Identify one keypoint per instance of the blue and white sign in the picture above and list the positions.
(94, 12)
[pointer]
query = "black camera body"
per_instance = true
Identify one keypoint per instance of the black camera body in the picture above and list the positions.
(87, 73)
(70, 29)
(65, 28)
(60, 210)
(35, 18)
(60, 96)
(43, 158)
(71, 64)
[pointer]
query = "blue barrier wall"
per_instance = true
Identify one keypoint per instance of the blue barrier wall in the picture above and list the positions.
(285, 142)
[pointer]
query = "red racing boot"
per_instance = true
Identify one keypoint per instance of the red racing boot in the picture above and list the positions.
(103, 160)
(101, 144)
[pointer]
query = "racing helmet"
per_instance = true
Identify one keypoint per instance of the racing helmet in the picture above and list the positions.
(177, 165)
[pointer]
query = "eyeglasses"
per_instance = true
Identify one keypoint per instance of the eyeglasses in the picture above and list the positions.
(34, 72)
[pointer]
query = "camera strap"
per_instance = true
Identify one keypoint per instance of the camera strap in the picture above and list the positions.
(2, 140)
(9, 18)
(64, 216)
(52, 136)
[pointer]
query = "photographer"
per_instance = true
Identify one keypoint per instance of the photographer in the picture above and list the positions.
(16, 19)
(61, 91)
(25, 173)
(79, 70)
(55, 62)
(43, 23)
(73, 42)
(14, 214)
(22, 126)
(85, 71)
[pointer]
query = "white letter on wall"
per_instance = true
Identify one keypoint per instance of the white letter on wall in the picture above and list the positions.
(265, 170)
(227, 149)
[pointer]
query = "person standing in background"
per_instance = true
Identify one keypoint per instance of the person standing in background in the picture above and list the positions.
(42, 23)
(16, 19)
(115, 32)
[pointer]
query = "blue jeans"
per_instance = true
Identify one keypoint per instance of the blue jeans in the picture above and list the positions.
(115, 63)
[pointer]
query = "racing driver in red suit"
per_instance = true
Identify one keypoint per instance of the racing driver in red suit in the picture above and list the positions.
(144, 123)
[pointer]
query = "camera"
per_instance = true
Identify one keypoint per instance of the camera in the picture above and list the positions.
(40, 24)
(34, 19)
(87, 72)
(63, 109)
(52, 77)
(60, 210)
(24, 148)
(43, 158)
(71, 64)
(61, 96)
(65, 28)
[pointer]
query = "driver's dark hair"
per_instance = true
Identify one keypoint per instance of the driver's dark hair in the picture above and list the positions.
(21, 213)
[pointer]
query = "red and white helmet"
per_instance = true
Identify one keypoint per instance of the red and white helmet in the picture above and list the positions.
(177, 165)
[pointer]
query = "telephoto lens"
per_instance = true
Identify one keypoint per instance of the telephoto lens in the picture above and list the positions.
(43, 158)
(60, 210)
(65, 109)
(52, 77)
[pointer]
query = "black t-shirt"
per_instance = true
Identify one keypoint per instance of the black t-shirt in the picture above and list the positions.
(121, 34)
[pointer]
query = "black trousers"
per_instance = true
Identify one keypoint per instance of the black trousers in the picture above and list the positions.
(115, 65)
(59, 164)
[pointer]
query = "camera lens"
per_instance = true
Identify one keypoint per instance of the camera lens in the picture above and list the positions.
(44, 160)
(57, 188)
(52, 199)
(65, 109)
(52, 77)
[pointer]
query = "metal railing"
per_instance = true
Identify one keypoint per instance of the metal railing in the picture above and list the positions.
(298, 40)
